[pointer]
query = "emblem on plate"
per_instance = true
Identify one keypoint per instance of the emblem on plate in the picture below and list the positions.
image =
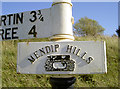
(59, 63)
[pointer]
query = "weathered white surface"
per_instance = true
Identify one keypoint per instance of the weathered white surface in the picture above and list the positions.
(96, 50)
(55, 22)
(62, 19)
(43, 28)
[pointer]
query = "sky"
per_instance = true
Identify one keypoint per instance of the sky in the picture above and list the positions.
(105, 13)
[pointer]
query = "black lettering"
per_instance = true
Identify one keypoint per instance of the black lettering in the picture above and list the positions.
(42, 51)
(34, 16)
(7, 33)
(89, 60)
(0, 21)
(74, 50)
(36, 55)
(19, 18)
(69, 48)
(9, 16)
(39, 12)
(14, 32)
(3, 19)
(83, 55)
(40, 16)
(14, 19)
(56, 47)
(48, 49)
(1, 33)
(31, 59)
(52, 48)
(33, 31)
(78, 52)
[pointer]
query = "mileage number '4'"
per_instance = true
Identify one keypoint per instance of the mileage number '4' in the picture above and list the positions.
(35, 15)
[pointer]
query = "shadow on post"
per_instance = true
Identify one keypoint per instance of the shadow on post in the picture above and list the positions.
(62, 82)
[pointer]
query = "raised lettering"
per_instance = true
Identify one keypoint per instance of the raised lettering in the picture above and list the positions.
(3, 20)
(14, 32)
(89, 60)
(83, 56)
(78, 52)
(11, 19)
(34, 16)
(36, 55)
(1, 33)
(74, 50)
(48, 50)
(69, 48)
(52, 48)
(9, 16)
(7, 33)
(14, 19)
(19, 18)
(42, 51)
(56, 47)
(31, 59)
(33, 31)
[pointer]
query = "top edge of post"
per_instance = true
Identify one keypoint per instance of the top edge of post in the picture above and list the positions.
(55, 1)
(61, 1)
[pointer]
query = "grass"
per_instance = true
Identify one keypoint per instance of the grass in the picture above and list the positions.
(11, 79)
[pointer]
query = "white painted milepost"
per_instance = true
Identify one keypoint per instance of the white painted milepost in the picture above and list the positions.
(25, 25)
(62, 57)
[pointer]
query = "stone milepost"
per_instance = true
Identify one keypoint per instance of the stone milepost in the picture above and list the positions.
(61, 57)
